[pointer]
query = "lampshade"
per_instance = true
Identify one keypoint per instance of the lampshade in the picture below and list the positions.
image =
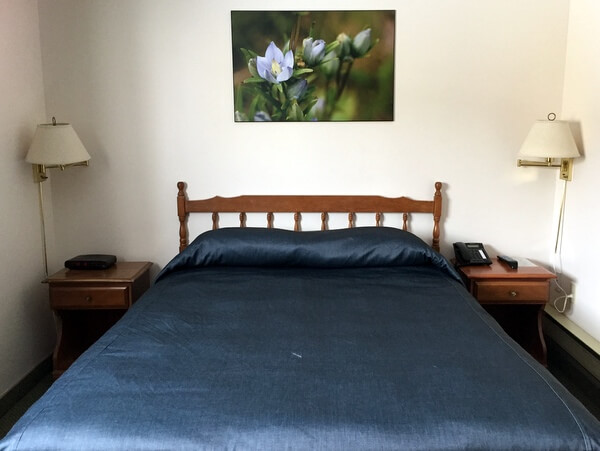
(549, 139)
(56, 145)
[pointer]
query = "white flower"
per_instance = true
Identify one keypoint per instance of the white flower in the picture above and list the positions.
(274, 67)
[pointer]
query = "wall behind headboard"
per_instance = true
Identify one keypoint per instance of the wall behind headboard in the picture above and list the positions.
(148, 86)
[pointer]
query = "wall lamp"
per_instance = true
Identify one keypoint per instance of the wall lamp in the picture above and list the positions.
(550, 140)
(54, 146)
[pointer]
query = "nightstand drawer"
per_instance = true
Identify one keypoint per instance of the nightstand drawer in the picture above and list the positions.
(89, 297)
(511, 291)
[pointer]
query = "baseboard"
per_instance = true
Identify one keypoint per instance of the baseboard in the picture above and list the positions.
(575, 364)
(587, 357)
(572, 327)
(25, 385)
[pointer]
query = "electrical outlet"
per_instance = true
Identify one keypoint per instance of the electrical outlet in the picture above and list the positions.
(573, 290)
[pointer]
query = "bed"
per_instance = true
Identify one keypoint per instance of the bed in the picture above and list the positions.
(268, 338)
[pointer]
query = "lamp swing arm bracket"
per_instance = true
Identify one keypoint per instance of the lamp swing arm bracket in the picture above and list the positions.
(39, 170)
(565, 165)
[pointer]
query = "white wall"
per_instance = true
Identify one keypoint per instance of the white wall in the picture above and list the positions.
(581, 106)
(26, 325)
(148, 86)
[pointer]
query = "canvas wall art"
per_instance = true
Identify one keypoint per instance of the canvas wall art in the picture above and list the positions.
(313, 65)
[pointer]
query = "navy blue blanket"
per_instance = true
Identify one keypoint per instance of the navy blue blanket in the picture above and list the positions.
(356, 339)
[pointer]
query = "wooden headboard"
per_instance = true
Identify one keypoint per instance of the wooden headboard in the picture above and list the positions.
(308, 204)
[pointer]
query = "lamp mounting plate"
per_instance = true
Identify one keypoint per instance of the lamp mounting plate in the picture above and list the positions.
(566, 169)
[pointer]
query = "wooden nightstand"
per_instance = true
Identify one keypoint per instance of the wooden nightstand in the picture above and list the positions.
(515, 298)
(86, 303)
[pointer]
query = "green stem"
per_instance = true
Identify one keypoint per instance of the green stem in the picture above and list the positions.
(294, 35)
(344, 81)
(341, 79)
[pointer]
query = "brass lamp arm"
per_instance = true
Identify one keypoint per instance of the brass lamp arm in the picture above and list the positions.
(566, 166)
(39, 170)
(548, 163)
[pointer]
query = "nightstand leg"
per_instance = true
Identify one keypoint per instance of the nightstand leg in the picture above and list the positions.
(524, 325)
(543, 356)
(56, 355)
(77, 330)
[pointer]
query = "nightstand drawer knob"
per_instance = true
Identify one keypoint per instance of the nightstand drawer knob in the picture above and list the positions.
(513, 294)
(88, 299)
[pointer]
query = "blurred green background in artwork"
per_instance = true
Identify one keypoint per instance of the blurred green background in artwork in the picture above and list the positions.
(368, 92)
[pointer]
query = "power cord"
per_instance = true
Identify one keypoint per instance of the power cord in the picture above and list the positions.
(564, 297)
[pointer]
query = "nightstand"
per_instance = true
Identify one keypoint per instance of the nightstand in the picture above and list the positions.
(515, 298)
(86, 303)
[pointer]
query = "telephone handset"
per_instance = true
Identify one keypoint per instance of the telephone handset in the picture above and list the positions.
(471, 254)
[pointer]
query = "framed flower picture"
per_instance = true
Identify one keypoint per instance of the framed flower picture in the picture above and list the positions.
(313, 65)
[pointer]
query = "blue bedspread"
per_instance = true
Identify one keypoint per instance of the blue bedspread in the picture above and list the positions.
(361, 339)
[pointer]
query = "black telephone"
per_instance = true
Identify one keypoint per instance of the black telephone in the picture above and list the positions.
(471, 254)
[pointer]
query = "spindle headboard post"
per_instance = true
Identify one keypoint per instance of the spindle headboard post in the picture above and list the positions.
(437, 214)
(183, 215)
(297, 205)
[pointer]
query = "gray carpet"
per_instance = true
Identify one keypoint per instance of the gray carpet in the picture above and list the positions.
(16, 411)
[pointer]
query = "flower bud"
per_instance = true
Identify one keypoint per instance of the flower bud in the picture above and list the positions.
(343, 50)
(361, 43)
(295, 113)
(262, 116)
(313, 51)
(252, 67)
(331, 64)
(297, 89)
(317, 110)
(240, 117)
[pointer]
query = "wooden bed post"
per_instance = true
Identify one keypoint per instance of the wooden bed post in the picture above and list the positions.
(437, 213)
(183, 214)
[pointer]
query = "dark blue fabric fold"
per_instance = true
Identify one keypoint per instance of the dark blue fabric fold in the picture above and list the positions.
(363, 247)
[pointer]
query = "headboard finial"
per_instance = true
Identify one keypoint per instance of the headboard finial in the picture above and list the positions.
(437, 214)
(182, 213)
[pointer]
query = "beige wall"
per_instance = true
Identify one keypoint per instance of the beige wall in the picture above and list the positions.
(148, 86)
(26, 325)
(581, 106)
